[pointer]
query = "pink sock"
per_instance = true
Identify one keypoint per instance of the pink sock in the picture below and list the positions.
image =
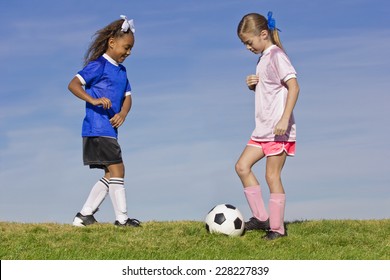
(277, 202)
(256, 203)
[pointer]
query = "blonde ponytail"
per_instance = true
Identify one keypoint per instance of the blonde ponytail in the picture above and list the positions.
(274, 31)
(275, 38)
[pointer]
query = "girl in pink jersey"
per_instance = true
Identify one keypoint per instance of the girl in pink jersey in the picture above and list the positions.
(276, 93)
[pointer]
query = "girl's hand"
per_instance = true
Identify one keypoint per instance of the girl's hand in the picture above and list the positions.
(252, 81)
(281, 127)
(117, 120)
(104, 102)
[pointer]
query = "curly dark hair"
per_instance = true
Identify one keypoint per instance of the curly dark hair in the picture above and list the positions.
(100, 44)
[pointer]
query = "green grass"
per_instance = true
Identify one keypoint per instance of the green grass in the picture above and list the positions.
(188, 240)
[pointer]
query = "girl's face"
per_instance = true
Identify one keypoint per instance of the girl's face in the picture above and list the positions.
(256, 43)
(120, 48)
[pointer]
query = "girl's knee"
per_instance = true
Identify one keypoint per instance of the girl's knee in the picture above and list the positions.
(242, 169)
(117, 170)
(272, 178)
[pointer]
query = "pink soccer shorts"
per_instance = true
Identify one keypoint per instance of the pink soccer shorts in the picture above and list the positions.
(274, 148)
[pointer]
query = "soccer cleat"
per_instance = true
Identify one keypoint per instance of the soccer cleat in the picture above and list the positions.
(82, 221)
(256, 224)
(129, 223)
(272, 235)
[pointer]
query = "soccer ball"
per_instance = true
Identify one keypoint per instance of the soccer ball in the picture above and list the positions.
(226, 219)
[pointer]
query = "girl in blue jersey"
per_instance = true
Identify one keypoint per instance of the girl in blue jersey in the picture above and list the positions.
(103, 84)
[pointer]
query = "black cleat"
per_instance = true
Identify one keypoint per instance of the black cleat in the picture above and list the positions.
(82, 221)
(256, 224)
(129, 223)
(272, 235)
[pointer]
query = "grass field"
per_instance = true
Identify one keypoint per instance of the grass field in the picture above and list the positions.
(188, 240)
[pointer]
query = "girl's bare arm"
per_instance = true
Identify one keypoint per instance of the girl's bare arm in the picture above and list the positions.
(292, 97)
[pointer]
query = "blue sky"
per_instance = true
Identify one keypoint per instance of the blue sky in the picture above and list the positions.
(192, 114)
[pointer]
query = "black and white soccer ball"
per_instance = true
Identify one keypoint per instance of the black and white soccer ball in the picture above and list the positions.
(225, 219)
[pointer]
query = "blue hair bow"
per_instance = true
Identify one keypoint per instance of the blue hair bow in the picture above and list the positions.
(271, 22)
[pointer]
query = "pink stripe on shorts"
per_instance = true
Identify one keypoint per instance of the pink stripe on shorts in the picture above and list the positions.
(274, 148)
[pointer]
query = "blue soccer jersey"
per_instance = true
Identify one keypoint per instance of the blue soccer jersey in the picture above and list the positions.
(103, 77)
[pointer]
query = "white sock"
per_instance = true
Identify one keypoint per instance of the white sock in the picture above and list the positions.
(118, 198)
(96, 196)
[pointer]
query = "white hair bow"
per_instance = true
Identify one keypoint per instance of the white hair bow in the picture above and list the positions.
(127, 24)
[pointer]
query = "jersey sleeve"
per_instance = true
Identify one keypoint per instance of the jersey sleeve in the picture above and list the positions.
(91, 73)
(128, 88)
(284, 67)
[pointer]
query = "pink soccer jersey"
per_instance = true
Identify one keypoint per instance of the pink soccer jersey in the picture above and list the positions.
(273, 70)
